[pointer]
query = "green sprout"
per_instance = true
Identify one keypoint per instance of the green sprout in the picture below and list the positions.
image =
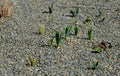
(97, 50)
(67, 31)
(100, 15)
(95, 64)
(50, 42)
(76, 22)
(76, 30)
(50, 8)
(102, 19)
(74, 12)
(58, 38)
(32, 61)
(87, 20)
(90, 34)
(41, 30)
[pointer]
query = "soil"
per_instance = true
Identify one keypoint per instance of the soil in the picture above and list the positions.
(20, 39)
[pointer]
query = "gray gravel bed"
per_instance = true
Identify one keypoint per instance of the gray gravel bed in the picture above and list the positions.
(19, 39)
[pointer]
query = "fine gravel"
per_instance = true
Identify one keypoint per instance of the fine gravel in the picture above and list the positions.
(19, 38)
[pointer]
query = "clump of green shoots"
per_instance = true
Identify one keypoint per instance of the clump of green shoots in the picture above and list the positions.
(50, 42)
(32, 61)
(90, 34)
(87, 20)
(97, 50)
(67, 31)
(58, 36)
(41, 30)
(95, 64)
(74, 12)
(76, 30)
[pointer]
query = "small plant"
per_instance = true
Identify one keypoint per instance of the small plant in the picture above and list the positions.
(50, 42)
(90, 34)
(41, 30)
(76, 30)
(100, 15)
(76, 23)
(58, 39)
(50, 8)
(95, 64)
(97, 50)
(102, 19)
(87, 20)
(32, 61)
(74, 12)
(67, 31)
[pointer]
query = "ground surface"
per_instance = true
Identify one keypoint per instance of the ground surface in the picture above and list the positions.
(19, 39)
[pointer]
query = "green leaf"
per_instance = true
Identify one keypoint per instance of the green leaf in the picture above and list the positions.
(41, 30)
(102, 19)
(50, 42)
(67, 31)
(97, 50)
(74, 12)
(76, 30)
(90, 34)
(87, 20)
(31, 61)
(58, 38)
(95, 64)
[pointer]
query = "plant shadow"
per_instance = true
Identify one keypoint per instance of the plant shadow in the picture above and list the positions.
(84, 38)
(46, 12)
(36, 33)
(95, 52)
(90, 68)
(69, 16)
(55, 37)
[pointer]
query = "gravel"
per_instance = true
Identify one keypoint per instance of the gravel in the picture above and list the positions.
(19, 39)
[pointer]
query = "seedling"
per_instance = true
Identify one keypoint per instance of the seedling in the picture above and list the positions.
(58, 39)
(100, 15)
(74, 12)
(95, 64)
(41, 30)
(32, 61)
(87, 20)
(50, 8)
(67, 31)
(90, 34)
(76, 30)
(97, 50)
(50, 42)
(76, 23)
(102, 19)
